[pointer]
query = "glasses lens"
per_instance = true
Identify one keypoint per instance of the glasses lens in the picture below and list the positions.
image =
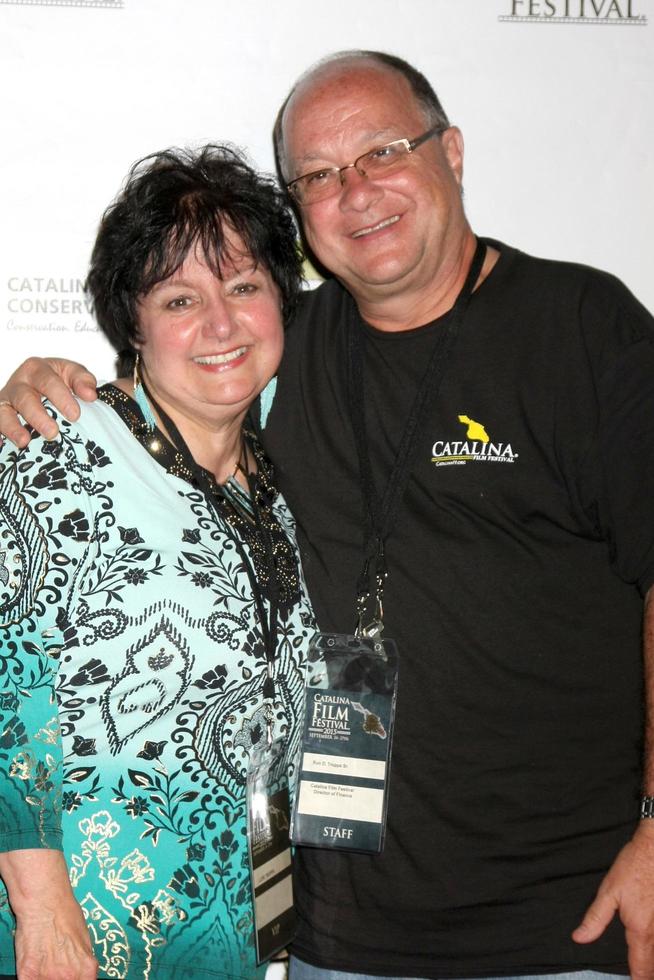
(384, 158)
(316, 186)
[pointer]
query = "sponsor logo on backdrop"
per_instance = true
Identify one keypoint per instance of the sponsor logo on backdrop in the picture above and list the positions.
(47, 304)
(615, 13)
(67, 3)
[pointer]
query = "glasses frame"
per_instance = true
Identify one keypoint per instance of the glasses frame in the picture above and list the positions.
(293, 186)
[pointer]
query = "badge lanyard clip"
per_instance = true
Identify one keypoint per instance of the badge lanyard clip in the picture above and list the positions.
(375, 627)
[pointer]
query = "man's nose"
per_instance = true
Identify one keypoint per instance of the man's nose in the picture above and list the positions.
(358, 191)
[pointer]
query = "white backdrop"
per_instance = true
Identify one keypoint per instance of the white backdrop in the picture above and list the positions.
(554, 98)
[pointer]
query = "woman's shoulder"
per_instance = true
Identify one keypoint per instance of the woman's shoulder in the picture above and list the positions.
(87, 438)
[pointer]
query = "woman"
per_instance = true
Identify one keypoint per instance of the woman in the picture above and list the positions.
(153, 617)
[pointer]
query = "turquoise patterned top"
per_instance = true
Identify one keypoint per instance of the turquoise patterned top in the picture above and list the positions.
(131, 686)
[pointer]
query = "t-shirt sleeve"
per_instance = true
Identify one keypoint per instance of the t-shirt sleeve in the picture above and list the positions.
(624, 381)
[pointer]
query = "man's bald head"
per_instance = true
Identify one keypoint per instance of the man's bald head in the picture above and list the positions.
(340, 63)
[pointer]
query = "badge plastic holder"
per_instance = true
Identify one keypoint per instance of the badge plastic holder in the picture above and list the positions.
(269, 850)
(350, 696)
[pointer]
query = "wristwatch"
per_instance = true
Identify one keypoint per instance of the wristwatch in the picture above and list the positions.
(647, 808)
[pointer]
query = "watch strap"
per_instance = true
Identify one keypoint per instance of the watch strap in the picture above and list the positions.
(647, 808)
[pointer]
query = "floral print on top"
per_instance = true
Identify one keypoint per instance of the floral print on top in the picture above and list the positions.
(131, 687)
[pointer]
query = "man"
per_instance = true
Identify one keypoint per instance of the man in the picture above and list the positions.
(518, 554)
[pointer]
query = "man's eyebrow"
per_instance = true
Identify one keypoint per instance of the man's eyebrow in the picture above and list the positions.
(372, 138)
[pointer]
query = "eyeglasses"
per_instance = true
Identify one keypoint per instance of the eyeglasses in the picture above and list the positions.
(382, 160)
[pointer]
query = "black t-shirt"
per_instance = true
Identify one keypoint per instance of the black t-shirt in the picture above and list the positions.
(522, 549)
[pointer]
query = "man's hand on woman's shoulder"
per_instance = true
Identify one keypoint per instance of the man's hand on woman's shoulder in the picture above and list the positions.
(54, 378)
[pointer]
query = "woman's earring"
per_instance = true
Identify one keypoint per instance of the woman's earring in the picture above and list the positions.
(140, 397)
(136, 377)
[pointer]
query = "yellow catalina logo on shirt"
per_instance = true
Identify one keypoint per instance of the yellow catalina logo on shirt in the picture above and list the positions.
(477, 447)
(475, 429)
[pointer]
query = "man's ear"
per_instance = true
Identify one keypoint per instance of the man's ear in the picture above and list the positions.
(452, 143)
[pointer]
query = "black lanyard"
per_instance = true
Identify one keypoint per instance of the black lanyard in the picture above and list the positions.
(380, 516)
(267, 624)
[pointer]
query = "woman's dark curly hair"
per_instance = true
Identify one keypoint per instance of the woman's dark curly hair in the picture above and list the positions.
(171, 202)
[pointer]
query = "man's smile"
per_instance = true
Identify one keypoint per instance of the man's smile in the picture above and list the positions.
(373, 228)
